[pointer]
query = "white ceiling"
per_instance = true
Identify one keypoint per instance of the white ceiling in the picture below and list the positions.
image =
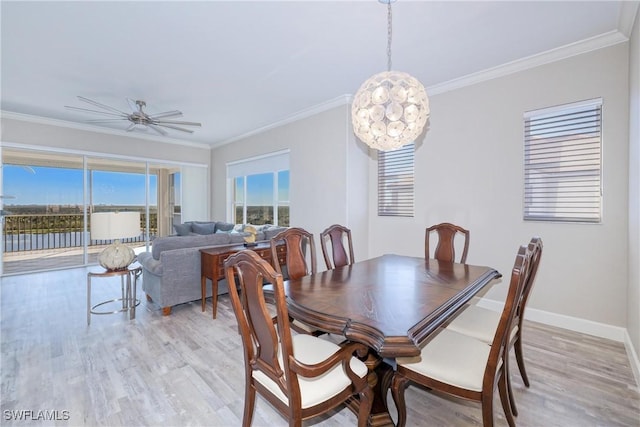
(240, 66)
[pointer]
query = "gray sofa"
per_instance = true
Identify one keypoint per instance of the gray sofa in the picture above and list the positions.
(171, 271)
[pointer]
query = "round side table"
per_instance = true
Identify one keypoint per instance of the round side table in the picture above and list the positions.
(128, 288)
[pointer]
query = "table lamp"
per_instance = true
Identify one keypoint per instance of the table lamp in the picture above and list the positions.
(115, 226)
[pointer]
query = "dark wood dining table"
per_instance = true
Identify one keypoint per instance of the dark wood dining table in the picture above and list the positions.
(392, 304)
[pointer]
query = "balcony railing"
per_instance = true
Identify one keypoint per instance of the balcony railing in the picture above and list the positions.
(55, 231)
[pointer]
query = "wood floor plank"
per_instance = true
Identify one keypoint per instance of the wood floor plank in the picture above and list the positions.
(187, 369)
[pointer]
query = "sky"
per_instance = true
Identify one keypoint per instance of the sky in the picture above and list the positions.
(40, 185)
(57, 186)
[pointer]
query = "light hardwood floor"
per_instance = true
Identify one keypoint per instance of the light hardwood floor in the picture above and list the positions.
(187, 369)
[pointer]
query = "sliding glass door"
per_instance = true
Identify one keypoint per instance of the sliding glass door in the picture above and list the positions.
(43, 211)
(116, 186)
(48, 197)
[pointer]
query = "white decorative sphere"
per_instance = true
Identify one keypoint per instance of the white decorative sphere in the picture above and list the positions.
(389, 110)
(116, 256)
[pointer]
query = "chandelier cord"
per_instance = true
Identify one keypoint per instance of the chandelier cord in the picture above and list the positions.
(389, 36)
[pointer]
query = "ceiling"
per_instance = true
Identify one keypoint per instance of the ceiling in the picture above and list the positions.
(239, 67)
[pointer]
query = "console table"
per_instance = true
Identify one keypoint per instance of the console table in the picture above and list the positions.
(212, 265)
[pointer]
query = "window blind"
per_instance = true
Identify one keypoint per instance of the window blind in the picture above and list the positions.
(396, 181)
(562, 163)
(272, 162)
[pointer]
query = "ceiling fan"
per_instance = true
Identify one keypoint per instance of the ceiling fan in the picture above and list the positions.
(138, 117)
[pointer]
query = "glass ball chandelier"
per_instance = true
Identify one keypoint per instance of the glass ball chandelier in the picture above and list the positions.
(391, 108)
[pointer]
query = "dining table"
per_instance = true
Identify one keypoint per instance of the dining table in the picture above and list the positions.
(392, 303)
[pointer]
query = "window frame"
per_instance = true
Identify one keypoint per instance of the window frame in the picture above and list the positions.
(272, 163)
(562, 163)
(396, 182)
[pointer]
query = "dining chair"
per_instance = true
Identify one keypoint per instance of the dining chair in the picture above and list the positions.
(479, 322)
(445, 248)
(460, 365)
(337, 256)
(300, 375)
(296, 240)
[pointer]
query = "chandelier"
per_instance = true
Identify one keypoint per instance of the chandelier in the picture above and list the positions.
(391, 108)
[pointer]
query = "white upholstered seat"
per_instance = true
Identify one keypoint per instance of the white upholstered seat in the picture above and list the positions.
(451, 358)
(479, 323)
(311, 350)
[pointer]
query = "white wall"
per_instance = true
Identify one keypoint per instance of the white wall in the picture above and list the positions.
(469, 170)
(633, 292)
(46, 134)
(328, 176)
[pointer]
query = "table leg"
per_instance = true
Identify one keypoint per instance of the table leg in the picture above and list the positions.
(380, 375)
(88, 300)
(130, 303)
(214, 286)
(214, 296)
(203, 290)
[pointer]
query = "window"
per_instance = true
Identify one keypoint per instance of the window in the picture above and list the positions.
(44, 223)
(260, 190)
(396, 181)
(562, 163)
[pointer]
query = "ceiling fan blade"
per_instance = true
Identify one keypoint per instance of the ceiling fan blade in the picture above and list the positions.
(105, 120)
(96, 111)
(97, 104)
(132, 105)
(173, 122)
(174, 113)
(157, 129)
(131, 127)
(173, 127)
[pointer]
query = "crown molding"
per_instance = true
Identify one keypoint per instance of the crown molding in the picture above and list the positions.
(594, 43)
(628, 15)
(89, 128)
(302, 114)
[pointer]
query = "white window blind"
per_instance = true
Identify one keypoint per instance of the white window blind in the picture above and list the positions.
(271, 162)
(396, 181)
(562, 163)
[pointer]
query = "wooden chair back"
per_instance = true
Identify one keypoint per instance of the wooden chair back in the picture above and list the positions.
(337, 256)
(445, 248)
(501, 341)
(297, 240)
(535, 246)
(260, 339)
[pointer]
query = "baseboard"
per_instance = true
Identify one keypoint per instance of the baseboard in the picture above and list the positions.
(633, 357)
(575, 324)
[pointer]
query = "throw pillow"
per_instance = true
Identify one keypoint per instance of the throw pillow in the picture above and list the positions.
(204, 228)
(224, 226)
(182, 229)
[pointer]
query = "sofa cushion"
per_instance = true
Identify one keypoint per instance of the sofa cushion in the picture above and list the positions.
(152, 265)
(272, 231)
(238, 237)
(182, 229)
(203, 227)
(162, 244)
(224, 226)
